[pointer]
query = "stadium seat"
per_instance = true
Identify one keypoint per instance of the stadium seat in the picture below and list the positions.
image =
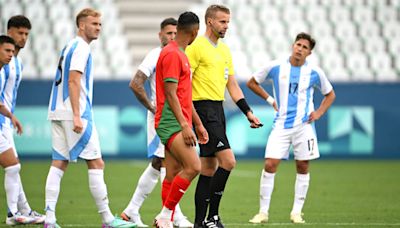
(59, 11)
(43, 42)
(370, 29)
(35, 10)
(273, 30)
(345, 30)
(391, 30)
(351, 44)
(375, 3)
(316, 14)
(28, 63)
(47, 61)
(327, 45)
(233, 42)
(385, 14)
(259, 59)
(297, 27)
(116, 44)
(358, 66)
(268, 14)
(251, 29)
(292, 14)
(279, 47)
(380, 61)
(374, 44)
(255, 43)
(321, 30)
(10, 9)
(333, 3)
(353, 3)
(240, 61)
(394, 47)
(339, 15)
(363, 15)
(333, 66)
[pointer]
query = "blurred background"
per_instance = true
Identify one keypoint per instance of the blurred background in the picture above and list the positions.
(358, 46)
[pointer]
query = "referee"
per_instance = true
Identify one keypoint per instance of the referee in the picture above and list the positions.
(211, 63)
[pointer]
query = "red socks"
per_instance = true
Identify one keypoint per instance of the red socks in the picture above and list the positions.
(165, 189)
(177, 188)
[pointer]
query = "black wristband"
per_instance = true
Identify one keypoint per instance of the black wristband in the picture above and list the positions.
(242, 104)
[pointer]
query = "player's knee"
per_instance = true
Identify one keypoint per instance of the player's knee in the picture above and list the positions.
(194, 169)
(156, 163)
(270, 167)
(228, 164)
(96, 164)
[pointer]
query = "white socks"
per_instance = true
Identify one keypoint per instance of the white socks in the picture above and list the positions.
(52, 191)
(99, 192)
(12, 186)
(300, 192)
(266, 188)
(23, 205)
(147, 181)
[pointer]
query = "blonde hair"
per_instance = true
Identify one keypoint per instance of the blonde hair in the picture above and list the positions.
(85, 13)
(213, 9)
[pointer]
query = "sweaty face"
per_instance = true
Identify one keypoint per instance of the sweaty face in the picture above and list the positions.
(6, 53)
(167, 34)
(19, 35)
(92, 27)
(219, 24)
(301, 49)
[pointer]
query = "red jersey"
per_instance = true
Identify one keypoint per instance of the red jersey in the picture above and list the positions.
(172, 66)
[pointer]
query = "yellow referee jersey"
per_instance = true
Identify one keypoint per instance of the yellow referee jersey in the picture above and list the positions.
(211, 66)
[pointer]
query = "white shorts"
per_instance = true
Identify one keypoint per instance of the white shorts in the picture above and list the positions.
(303, 139)
(68, 145)
(154, 146)
(7, 139)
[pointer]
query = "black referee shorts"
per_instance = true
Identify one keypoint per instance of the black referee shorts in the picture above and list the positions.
(212, 116)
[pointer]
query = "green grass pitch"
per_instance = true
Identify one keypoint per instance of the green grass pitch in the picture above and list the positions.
(342, 193)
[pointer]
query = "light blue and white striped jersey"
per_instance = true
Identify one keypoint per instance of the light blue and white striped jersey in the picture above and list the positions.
(74, 57)
(293, 90)
(148, 67)
(10, 79)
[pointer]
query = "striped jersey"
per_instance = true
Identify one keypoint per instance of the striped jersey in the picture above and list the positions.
(293, 90)
(148, 67)
(74, 57)
(10, 79)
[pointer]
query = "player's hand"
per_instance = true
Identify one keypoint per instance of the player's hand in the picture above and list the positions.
(314, 116)
(17, 124)
(254, 121)
(188, 136)
(78, 125)
(202, 134)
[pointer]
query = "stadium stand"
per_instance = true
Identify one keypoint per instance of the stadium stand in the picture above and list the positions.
(357, 40)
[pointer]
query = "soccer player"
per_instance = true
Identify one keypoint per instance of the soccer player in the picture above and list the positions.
(18, 28)
(8, 157)
(155, 149)
(73, 130)
(174, 115)
(211, 63)
(294, 80)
